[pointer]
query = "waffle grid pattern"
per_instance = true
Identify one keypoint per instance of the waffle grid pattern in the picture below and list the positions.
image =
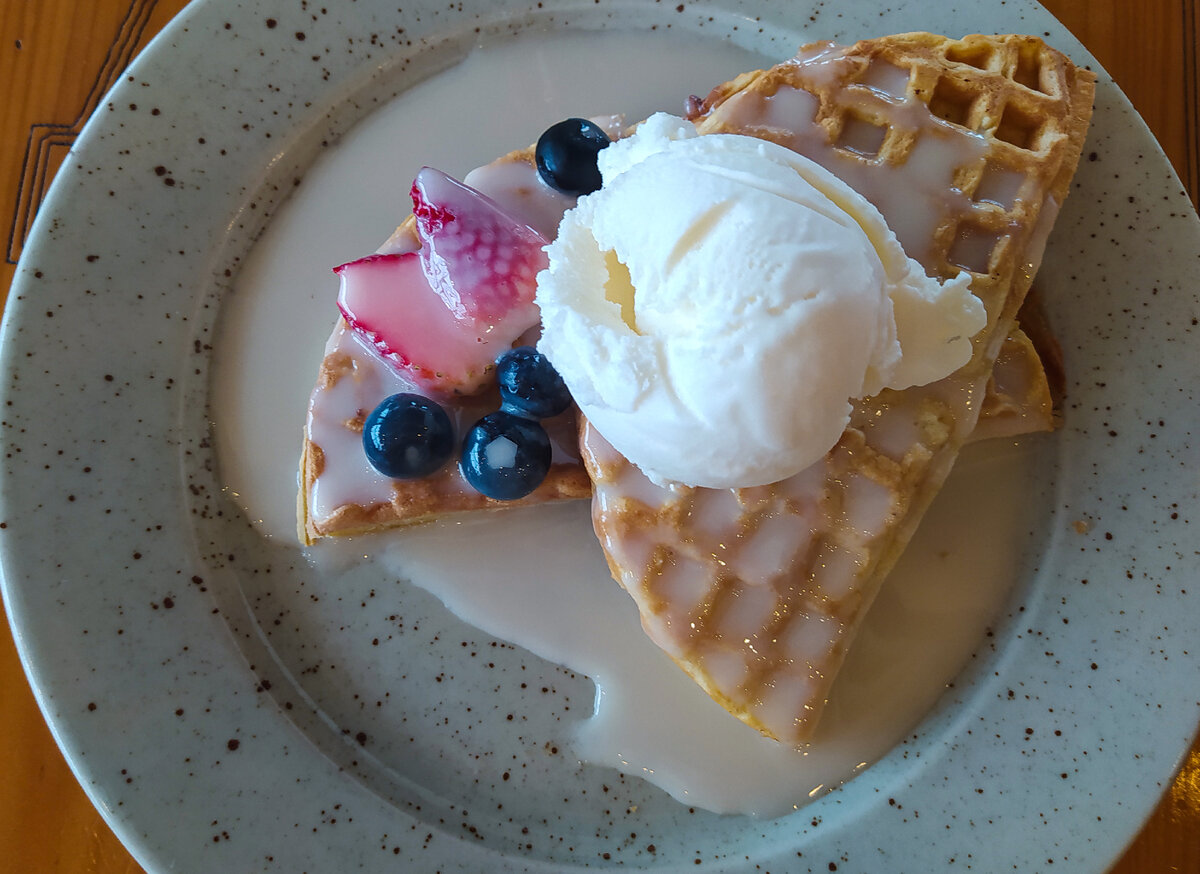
(694, 560)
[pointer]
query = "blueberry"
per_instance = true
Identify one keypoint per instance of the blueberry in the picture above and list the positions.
(529, 384)
(566, 155)
(408, 436)
(505, 456)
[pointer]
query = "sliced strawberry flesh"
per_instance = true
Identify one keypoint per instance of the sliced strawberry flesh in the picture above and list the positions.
(442, 315)
(479, 259)
(441, 354)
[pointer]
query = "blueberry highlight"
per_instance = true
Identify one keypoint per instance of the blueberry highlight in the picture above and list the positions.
(566, 156)
(529, 384)
(408, 436)
(505, 457)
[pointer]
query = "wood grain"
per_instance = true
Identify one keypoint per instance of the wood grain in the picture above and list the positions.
(58, 56)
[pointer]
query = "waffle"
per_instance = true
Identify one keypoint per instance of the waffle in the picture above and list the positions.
(352, 380)
(1026, 387)
(968, 148)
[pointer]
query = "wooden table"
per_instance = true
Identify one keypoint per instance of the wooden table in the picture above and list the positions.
(56, 59)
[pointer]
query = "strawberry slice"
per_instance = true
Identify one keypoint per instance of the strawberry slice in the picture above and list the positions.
(387, 301)
(480, 260)
(441, 316)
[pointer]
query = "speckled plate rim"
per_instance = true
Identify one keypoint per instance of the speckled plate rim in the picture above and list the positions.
(1056, 757)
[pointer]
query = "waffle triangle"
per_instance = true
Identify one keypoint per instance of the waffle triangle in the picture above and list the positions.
(968, 148)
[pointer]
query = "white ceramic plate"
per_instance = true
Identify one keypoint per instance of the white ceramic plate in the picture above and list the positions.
(230, 707)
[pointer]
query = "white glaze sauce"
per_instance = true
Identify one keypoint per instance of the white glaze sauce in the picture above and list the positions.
(347, 477)
(553, 593)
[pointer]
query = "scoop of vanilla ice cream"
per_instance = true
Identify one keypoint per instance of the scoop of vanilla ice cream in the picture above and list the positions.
(717, 304)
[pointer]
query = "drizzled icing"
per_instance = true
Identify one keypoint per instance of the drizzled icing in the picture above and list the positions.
(355, 379)
(929, 169)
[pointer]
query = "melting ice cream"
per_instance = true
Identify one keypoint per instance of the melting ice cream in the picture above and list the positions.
(716, 306)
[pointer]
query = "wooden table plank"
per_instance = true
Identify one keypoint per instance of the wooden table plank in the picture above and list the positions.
(1150, 49)
(58, 56)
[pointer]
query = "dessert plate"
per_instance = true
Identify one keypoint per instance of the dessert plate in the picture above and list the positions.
(231, 703)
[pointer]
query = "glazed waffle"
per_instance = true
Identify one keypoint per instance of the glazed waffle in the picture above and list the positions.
(350, 384)
(352, 380)
(968, 148)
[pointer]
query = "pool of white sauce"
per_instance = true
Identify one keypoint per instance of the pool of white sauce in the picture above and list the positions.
(537, 578)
